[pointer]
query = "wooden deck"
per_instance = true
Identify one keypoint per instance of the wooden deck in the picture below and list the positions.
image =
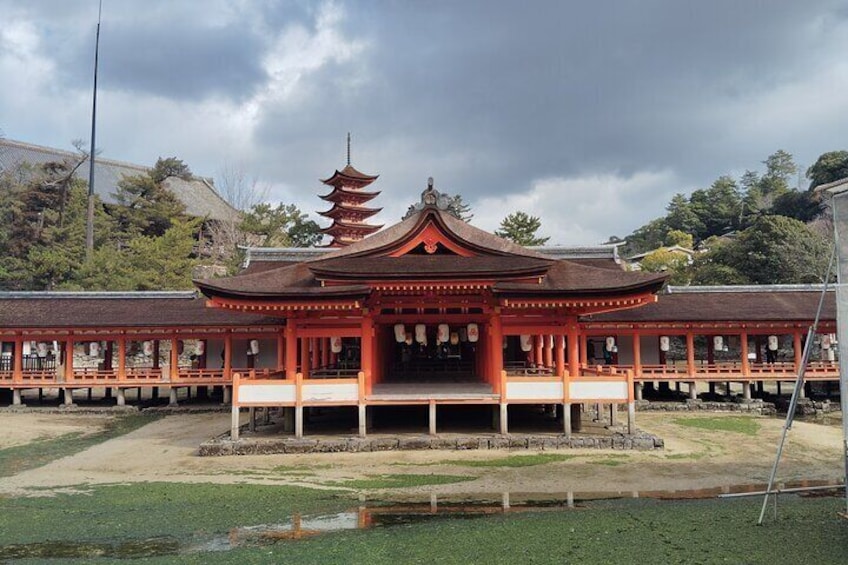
(440, 392)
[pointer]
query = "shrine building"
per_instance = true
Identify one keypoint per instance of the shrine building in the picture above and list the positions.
(429, 312)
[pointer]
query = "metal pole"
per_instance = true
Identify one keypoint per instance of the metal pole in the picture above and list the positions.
(799, 382)
(89, 224)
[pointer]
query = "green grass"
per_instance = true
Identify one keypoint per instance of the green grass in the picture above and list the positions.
(737, 424)
(401, 481)
(151, 520)
(513, 461)
(19, 458)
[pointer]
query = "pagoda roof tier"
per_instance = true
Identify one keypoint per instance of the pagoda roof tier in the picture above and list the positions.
(337, 226)
(350, 177)
(345, 193)
(340, 212)
(431, 246)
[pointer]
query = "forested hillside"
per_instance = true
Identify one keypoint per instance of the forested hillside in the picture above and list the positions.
(760, 228)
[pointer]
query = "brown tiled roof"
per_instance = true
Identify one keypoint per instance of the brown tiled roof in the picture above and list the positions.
(765, 304)
(102, 310)
(351, 173)
(428, 266)
(337, 211)
(286, 281)
(570, 277)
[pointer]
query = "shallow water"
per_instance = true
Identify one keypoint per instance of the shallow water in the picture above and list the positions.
(366, 515)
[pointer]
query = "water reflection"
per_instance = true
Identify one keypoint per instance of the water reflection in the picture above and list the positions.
(368, 514)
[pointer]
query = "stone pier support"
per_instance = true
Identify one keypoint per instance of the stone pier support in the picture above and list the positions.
(251, 419)
(16, 397)
(566, 419)
(228, 395)
(172, 397)
(576, 415)
(120, 397)
(432, 418)
(613, 414)
(298, 421)
(631, 418)
(68, 396)
(746, 391)
(288, 420)
(504, 424)
(638, 390)
(362, 420)
(693, 390)
(234, 424)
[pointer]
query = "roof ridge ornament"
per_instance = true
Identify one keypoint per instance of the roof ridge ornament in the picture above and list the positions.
(430, 198)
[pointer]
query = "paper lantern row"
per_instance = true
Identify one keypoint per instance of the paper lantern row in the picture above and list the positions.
(470, 333)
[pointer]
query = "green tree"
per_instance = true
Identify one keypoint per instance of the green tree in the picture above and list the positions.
(648, 237)
(681, 216)
(283, 225)
(718, 208)
(665, 261)
(460, 209)
(829, 167)
(170, 167)
(521, 228)
(682, 239)
(145, 207)
(777, 249)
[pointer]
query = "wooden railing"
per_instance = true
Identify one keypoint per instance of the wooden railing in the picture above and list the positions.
(816, 370)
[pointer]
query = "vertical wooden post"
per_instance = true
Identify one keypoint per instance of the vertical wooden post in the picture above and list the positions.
(69, 359)
(746, 365)
(797, 349)
(122, 358)
(559, 346)
(538, 353)
(494, 365)
(315, 342)
(175, 359)
(690, 354)
(367, 349)
(582, 347)
(304, 357)
(291, 350)
(228, 356)
(18, 369)
(325, 352)
(574, 348)
(637, 354)
(549, 351)
(281, 350)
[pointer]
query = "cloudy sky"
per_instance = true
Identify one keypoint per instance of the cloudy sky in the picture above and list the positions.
(587, 114)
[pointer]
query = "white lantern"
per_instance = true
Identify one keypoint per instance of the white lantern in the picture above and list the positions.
(28, 347)
(718, 343)
(253, 348)
(336, 345)
(443, 333)
(400, 333)
(147, 348)
(454, 338)
(200, 348)
(609, 344)
(665, 343)
(41, 349)
(421, 333)
(473, 333)
(772, 343)
(526, 342)
(825, 341)
(93, 349)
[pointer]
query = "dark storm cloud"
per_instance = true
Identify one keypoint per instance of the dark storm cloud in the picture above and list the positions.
(559, 89)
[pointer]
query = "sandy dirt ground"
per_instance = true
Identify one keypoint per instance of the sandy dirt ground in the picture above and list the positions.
(166, 450)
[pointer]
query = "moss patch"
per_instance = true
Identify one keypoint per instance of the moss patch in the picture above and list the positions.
(735, 424)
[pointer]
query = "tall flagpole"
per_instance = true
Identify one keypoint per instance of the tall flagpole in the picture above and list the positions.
(89, 225)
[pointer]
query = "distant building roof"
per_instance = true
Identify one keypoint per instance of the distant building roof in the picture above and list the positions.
(199, 196)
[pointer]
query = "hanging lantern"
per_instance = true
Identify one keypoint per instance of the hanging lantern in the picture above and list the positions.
(400, 333)
(28, 347)
(665, 343)
(200, 348)
(253, 347)
(463, 334)
(718, 343)
(336, 345)
(147, 348)
(93, 349)
(408, 339)
(473, 333)
(825, 341)
(421, 333)
(609, 344)
(454, 338)
(41, 349)
(443, 333)
(526, 342)
(833, 339)
(772, 343)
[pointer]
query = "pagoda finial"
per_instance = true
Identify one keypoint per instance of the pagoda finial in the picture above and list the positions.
(348, 148)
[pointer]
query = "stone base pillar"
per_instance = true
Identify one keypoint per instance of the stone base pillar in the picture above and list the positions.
(228, 394)
(432, 418)
(693, 391)
(613, 414)
(16, 397)
(504, 424)
(746, 391)
(362, 420)
(121, 398)
(631, 418)
(638, 390)
(566, 419)
(172, 397)
(298, 421)
(576, 415)
(234, 425)
(68, 396)
(251, 419)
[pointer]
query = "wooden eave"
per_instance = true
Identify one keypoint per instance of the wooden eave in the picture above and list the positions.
(339, 193)
(581, 305)
(338, 211)
(269, 306)
(337, 226)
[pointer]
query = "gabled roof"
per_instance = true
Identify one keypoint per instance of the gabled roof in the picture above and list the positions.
(431, 244)
(198, 195)
(349, 174)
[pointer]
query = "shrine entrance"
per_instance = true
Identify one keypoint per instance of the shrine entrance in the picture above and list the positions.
(430, 353)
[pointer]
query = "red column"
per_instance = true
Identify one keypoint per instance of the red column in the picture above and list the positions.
(549, 350)
(796, 346)
(574, 349)
(281, 350)
(559, 346)
(746, 367)
(291, 350)
(367, 350)
(495, 353)
(637, 354)
(690, 353)
(316, 352)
